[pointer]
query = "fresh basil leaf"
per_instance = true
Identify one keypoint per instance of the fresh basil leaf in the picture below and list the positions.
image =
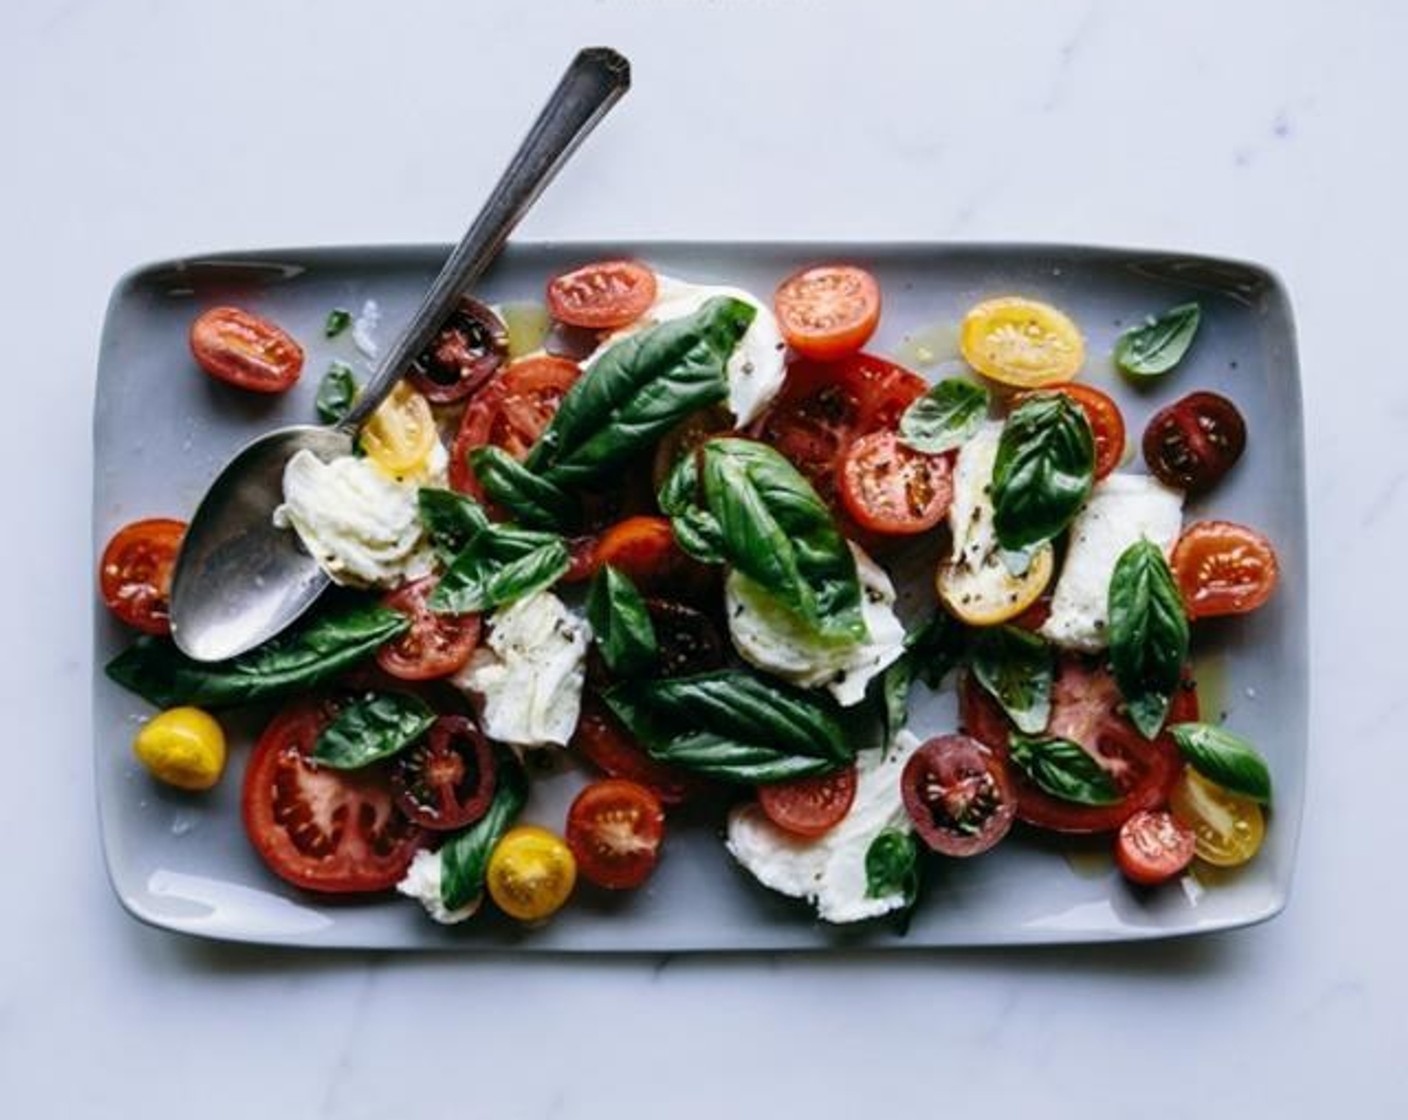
(731, 724)
(533, 501)
(1224, 758)
(697, 531)
(451, 520)
(372, 727)
(894, 696)
(638, 390)
(1148, 634)
(465, 856)
(336, 392)
(780, 534)
(945, 416)
(621, 623)
(339, 319)
(1016, 669)
(1043, 472)
(1158, 345)
(500, 565)
(301, 659)
(1062, 769)
(892, 866)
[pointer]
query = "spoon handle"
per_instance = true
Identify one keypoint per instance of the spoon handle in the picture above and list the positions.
(595, 81)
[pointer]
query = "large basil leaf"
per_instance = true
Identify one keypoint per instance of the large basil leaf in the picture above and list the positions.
(301, 659)
(1158, 345)
(1043, 472)
(779, 533)
(465, 856)
(1148, 634)
(733, 725)
(499, 565)
(621, 623)
(638, 390)
(945, 416)
(1016, 668)
(1224, 758)
(697, 530)
(336, 392)
(451, 520)
(372, 727)
(1062, 769)
(892, 866)
(533, 501)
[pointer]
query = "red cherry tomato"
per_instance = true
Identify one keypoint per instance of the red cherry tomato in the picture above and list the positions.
(134, 575)
(603, 296)
(1152, 847)
(958, 795)
(606, 744)
(1106, 423)
(436, 645)
(891, 488)
(246, 351)
(446, 780)
(465, 352)
(1195, 441)
(644, 549)
(614, 829)
(828, 311)
(333, 831)
(810, 806)
(1223, 568)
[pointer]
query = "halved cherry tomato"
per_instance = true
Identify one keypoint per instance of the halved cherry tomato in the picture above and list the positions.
(245, 350)
(603, 296)
(889, 487)
(606, 744)
(1021, 342)
(1223, 568)
(436, 645)
(465, 352)
(828, 311)
(134, 574)
(1195, 441)
(531, 873)
(446, 780)
(1228, 828)
(644, 549)
(614, 829)
(1106, 424)
(510, 411)
(810, 806)
(401, 433)
(958, 795)
(334, 831)
(1152, 847)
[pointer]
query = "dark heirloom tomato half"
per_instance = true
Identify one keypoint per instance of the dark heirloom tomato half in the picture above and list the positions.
(334, 831)
(810, 806)
(134, 575)
(447, 779)
(891, 488)
(1223, 568)
(1193, 442)
(958, 795)
(614, 829)
(465, 352)
(606, 744)
(245, 350)
(688, 640)
(436, 645)
(602, 296)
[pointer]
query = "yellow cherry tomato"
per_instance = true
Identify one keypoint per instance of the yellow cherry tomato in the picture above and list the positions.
(531, 873)
(182, 747)
(1228, 827)
(1021, 342)
(401, 433)
(983, 592)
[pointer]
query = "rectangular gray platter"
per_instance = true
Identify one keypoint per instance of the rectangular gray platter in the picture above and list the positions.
(162, 430)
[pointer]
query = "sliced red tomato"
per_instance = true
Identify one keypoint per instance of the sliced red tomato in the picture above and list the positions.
(134, 575)
(466, 351)
(436, 645)
(810, 806)
(604, 296)
(1193, 442)
(1224, 568)
(1085, 703)
(828, 311)
(1106, 423)
(614, 829)
(334, 831)
(608, 746)
(446, 780)
(245, 350)
(1153, 846)
(891, 488)
(644, 549)
(958, 795)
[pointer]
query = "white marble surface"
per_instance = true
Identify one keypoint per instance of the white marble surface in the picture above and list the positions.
(1271, 131)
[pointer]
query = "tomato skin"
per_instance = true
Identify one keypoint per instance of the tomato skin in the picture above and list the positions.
(401, 434)
(828, 312)
(1106, 423)
(614, 829)
(958, 795)
(605, 295)
(446, 781)
(436, 645)
(1223, 568)
(601, 739)
(644, 550)
(245, 350)
(531, 873)
(810, 807)
(1152, 847)
(134, 574)
(1193, 442)
(891, 488)
(1227, 828)
(325, 830)
(1021, 342)
(467, 350)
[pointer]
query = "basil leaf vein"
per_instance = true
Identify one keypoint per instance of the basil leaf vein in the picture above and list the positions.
(1224, 758)
(1062, 769)
(336, 392)
(1016, 669)
(465, 856)
(697, 531)
(945, 416)
(501, 564)
(1043, 471)
(372, 727)
(892, 866)
(1148, 634)
(1160, 344)
(621, 623)
(451, 520)
(533, 501)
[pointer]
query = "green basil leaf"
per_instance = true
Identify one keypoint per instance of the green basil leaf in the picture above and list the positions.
(1158, 345)
(533, 501)
(300, 659)
(500, 565)
(1224, 758)
(451, 521)
(1016, 669)
(339, 319)
(465, 856)
(638, 390)
(894, 696)
(697, 531)
(892, 866)
(780, 534)
(1148, 634)
(1063, 769)
(621, 623)
(336, 392)
(1043, 472)
(372, 727)
(945, 416)
(733, 725)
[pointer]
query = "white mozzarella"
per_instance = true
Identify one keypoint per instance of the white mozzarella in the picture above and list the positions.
(422, 882)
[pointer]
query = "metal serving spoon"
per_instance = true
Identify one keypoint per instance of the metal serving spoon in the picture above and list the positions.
(239, 580)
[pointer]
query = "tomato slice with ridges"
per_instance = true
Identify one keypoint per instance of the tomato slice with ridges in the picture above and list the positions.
(810, 807)
(614, 829)
(605, 295)
(958, 795)
(828, 311)
(891, 488)
(1223, 568)
(446, 781)
(134, 574)
(1153, 846)
(436, 645)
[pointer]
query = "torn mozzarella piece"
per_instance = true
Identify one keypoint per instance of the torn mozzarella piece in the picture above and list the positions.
(422, 882)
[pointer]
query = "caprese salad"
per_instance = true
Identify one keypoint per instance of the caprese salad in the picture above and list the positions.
(651, 527)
